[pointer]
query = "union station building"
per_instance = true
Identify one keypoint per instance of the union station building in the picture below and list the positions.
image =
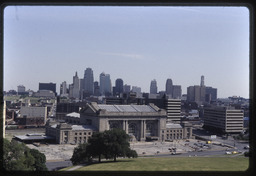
(141, 123)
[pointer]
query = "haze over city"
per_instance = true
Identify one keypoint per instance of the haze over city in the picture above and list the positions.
(137, 44)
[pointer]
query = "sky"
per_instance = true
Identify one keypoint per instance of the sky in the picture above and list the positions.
(136, 43)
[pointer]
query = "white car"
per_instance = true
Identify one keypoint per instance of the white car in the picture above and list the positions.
(228, 153)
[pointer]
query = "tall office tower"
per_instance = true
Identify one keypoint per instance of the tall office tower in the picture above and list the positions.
(127, 88)
(210, 94)
(169, 87)
(176, 92)
(63, 89)
(81, 88)
(173, 109)
(105, 84)
(88, 81)
(136, 89)
(202, 81)
(76, 86)
(96, 88)
(153, 87)
(48, 86)
(196, 94)
(119, 88)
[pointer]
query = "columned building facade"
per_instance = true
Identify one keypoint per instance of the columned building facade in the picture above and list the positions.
(139, 121)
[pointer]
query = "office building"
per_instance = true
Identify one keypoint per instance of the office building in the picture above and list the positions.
(224, 119)
(202, 81)
(210, 94)
(96, 88)
(201, 94)
(21, 89)
(127, 88)
(169, 87)
(63, 89)
(88, 82)
(32, 116)
(119, 87)
(176, 92)
(153, 87)
(136, 89)
(105, 84)
(48, 86)
(173, 109)
(74, 88)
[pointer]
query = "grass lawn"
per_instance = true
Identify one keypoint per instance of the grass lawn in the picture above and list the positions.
(172, 164)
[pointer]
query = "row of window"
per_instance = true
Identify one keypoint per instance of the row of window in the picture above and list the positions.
(174, 131)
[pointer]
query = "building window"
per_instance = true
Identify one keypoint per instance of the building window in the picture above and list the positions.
(132, 129)
(84, 133)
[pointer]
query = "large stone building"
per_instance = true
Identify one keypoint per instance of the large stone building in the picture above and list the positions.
(141, 122)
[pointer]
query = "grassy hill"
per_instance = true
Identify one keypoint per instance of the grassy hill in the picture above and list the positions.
(172, 164)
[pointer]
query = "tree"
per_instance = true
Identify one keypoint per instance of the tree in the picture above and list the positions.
(116, 143)
(80, 154)
(40, 160)
(96, 146)
(110, 144)
(17, 156)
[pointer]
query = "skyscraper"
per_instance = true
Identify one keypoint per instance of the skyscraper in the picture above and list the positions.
(202, 81)
(153, 87)
(74, 88)
(88, 81)
(63, 89)
(127, 88)
(105, 84)
(176, 92)
(119, 88)
(169, 87)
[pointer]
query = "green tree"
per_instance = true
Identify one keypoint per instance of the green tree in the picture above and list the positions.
(17, 156)
(96, 145)
(117, 143)
(40, 160)
(80, 154)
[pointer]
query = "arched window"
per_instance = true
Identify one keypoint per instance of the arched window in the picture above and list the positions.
(132, 129)
(149, 129)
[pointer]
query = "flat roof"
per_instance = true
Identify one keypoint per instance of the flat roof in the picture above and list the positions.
(36, 137)
(126, 108)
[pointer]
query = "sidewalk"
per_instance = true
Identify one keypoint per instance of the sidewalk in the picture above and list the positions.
(76, 167)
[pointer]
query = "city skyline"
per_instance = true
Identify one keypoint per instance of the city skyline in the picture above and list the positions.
(136, 44)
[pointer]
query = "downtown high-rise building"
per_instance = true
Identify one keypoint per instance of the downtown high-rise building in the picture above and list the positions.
(201, 94)
(127, 88)
(63, 89)
(105, 84)
(74, 88)
(119, 87)
(88, 82)
(153, 87)
(176, 91)
(169, 87)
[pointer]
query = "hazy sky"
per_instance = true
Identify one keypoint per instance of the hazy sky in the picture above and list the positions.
(137, 44)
